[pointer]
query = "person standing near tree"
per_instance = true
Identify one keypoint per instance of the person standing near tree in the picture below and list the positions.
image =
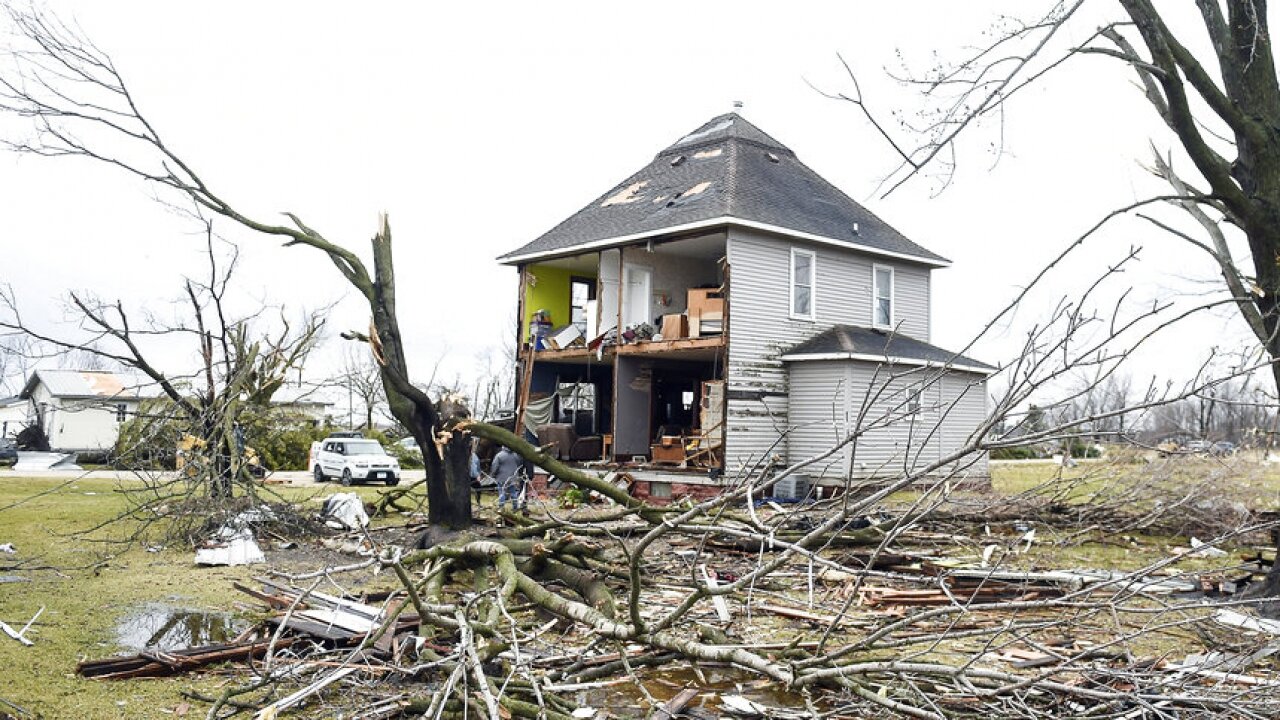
(506, 469)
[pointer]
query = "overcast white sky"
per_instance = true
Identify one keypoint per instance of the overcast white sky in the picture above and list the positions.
(480, 125)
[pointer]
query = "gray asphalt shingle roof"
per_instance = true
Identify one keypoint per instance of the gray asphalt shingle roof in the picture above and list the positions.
(855, 340)
(728, 168)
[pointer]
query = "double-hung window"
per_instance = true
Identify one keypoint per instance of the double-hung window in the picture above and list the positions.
(882, 296)
(803, 274)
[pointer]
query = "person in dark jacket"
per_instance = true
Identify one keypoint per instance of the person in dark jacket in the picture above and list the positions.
(508, 469)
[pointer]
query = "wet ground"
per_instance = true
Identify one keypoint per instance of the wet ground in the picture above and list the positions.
(166, 627)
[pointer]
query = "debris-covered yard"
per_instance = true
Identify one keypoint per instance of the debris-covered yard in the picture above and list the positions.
(1057, 592)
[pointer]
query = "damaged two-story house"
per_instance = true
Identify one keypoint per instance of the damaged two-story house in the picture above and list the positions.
(726, 308)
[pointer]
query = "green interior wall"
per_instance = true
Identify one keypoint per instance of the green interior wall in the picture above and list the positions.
(547, 289)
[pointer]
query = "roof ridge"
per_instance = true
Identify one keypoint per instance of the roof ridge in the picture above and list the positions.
(731, 179)
(752, 177)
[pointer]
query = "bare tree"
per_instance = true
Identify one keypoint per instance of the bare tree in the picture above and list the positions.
(16, 353)
(238, 369)
(1220, 107)
(81, 107)
(362, 380)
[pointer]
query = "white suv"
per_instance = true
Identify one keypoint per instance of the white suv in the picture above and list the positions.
(352, 460)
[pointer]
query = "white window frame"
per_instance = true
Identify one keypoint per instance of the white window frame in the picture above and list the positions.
(813, 284)
(875, 295)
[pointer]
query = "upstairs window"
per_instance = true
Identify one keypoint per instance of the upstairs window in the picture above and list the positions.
(581, 292)
(882, 296)
(803, 263)
(121, 412)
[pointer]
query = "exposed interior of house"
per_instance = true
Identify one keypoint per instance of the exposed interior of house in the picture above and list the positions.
(650, 392)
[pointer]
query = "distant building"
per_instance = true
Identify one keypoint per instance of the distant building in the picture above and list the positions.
(13, 415)
(304, 400)
(82, 410)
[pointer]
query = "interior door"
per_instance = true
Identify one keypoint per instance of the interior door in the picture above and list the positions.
(608, 307)
(637, 298)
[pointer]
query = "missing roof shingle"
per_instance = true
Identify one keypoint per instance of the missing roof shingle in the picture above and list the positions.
(681, 197)
(627, 195)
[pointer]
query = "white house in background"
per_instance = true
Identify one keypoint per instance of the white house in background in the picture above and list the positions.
(82, 410)
(306, 400)
(14, 415)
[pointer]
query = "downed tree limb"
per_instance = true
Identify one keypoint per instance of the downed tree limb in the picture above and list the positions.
(269, 712)
(584, 480)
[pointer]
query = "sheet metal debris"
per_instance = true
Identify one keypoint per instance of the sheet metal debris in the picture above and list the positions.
(45, 461)
(240, 549)
(345, 511)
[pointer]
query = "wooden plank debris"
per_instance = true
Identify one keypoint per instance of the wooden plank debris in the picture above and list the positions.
(672, 707)
(721, 605)
(797, 613)
(154, 663)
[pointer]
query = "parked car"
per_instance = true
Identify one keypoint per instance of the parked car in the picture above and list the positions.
(1222, 447)
(411, 444)
(1199, 446)
(353, 460)
(8, 451)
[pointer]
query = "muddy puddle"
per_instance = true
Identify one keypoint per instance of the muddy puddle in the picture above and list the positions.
(625, 700)
(167, 627)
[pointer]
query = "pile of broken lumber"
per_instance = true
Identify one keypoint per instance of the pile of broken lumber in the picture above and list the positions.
(308, 617)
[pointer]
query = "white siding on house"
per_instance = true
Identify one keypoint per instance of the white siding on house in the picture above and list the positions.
(819, 416)
(965, 408)
(831, 399)
(760, 327)
(14, 417)
(81, 423)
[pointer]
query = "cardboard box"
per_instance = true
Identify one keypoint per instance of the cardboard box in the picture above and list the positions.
(707, 323)
(675, 327)
(705, 304)
(705, 299)
(668, 453)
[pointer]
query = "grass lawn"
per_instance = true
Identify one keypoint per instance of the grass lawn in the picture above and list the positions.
(83, 608)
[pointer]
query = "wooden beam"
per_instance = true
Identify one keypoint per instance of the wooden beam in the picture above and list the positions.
(664, 346)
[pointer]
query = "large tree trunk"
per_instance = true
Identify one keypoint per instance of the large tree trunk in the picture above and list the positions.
(448, 479)
(445, 454)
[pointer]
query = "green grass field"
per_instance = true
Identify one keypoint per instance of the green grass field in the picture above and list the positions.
(85, 602)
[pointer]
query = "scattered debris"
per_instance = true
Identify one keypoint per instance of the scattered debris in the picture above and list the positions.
(672, 707)
(319, 621)
(45, 461)
(739, 705)
(240, 549)
(1240, 620)
(1203, 549)
(721, 605)
(344, 511)
(21, 635)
